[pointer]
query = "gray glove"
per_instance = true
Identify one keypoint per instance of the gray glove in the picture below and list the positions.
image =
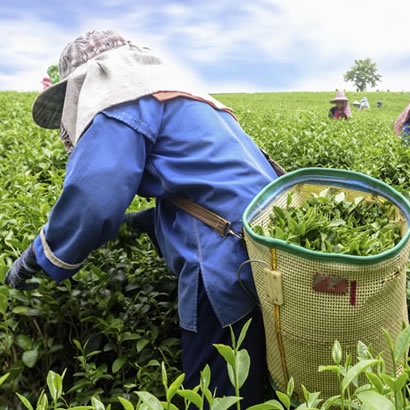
(22, 271)
(143, 222)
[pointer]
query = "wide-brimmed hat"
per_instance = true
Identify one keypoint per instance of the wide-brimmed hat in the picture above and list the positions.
(340, 96)
(48, 107)
(355, 102)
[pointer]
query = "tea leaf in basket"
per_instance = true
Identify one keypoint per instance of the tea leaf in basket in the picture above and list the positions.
(330, 223)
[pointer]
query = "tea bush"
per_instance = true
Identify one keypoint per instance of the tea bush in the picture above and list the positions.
(365, 385)
(294, 129)
(113, 324)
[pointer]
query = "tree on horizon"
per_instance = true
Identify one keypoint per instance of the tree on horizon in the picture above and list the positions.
(363, 74)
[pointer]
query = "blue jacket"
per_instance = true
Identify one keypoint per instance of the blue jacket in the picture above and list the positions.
(180, 148)
(406, 128)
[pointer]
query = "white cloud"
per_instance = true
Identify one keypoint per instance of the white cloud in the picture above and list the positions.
(339, 33)
(326, 81)
(319, 38)
(28, 53)
(176, 10)
(392, 80)
(229, 29)
(133, 29)
(233, 87)
(320, 34)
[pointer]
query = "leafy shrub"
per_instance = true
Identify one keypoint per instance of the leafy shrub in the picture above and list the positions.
(114, 323)
(364, 384)
(109, 327)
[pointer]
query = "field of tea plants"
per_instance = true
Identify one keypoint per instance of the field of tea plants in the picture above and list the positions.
(115, 321)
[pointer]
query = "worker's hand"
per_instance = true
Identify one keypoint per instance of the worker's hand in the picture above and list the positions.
(143, 222)
(22, 271)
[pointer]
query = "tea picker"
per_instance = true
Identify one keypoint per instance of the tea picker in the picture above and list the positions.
(133, 127)
(402, 126)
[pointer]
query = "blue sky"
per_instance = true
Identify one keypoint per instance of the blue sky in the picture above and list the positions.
(225, 45)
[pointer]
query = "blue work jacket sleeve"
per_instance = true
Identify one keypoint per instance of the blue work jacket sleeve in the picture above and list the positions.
(103, 176)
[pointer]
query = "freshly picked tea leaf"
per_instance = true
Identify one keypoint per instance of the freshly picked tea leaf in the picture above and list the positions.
(327, 222)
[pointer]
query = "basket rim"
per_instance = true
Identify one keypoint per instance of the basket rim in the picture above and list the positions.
(338, 178)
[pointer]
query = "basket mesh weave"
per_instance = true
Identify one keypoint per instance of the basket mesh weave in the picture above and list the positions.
(301, 331)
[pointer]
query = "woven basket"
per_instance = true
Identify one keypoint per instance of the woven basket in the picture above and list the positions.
(359, 295)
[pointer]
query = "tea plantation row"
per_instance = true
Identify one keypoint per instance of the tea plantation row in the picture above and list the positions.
(116, 320)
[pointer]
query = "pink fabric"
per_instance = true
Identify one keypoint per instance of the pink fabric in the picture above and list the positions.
(340, 96)
(46, 82)
(346, 113)
(162, 96)
(347, 110)
(403, 117)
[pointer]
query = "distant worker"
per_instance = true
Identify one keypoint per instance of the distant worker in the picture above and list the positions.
(356, 104)
(364, 104)
(341, 110)
(379, 104)
(402, 125)
(46, 82)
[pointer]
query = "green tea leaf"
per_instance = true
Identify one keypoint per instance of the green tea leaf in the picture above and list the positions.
(83, 408)
(328, 223)
(55, 385)
(395, 383)
(127, 405)
(174, 387)
(268, 405)
(290, 387)
(150, 400)
(356, 370)
(362, 350)
(4, 378)
(118, 363)
(375, 381)
(192, 397)
(42, 402)
(402, 344)
(4, 301)
(243, 333)
(330, 368)
(24, 342)
(284, 399)
(242, 366)
(30, 358)
(97, 405)
(337, 352)
(205, 379)
(226, 352)
(224, 403)
(141, 344)
(25, 401)
(164, 376)
(170, 406)
(331, 401)
(375, 401)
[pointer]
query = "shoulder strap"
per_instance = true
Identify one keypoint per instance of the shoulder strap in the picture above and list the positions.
(276, 167)
(211, 219)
